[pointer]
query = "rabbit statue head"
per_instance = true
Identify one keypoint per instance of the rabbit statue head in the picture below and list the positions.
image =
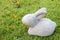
(32, 19)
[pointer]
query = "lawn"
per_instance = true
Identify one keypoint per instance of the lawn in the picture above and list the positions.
(12, 11)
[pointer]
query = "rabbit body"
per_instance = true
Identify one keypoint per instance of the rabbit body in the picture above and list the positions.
(44, 27)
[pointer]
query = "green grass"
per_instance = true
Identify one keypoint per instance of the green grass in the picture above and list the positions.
(11, 27)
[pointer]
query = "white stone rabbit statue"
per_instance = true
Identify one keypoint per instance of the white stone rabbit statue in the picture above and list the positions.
(37, 25)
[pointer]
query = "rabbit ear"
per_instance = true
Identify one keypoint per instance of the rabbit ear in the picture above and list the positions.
(41, 15)
(41, 12)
